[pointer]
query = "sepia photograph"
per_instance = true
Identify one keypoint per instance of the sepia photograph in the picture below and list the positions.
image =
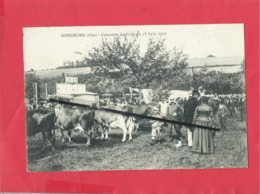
(137, 97)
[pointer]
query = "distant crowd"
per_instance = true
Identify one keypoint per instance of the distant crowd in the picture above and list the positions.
(235, 103)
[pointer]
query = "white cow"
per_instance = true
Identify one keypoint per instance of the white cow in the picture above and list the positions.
(104, 120)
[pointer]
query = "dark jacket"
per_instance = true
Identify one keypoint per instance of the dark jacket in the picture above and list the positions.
(189, 109)
(174, 112)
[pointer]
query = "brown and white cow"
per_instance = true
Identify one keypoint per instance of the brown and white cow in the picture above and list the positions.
(41, 121)
(74, 118)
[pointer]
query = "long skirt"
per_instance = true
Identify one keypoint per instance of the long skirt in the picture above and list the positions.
(203, 139)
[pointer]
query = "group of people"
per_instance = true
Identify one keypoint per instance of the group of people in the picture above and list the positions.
(122, 101)
(199, 115)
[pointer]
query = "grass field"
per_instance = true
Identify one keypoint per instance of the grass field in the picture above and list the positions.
(112, 154)
(50, 73)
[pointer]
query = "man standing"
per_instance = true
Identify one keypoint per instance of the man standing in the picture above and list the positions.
(242, 107)
(189, 109)
(174, 113)
(222, 114)
(229, 105)
(156, 126)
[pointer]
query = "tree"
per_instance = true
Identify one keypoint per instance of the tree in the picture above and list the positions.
(120, 62)
(221, 83)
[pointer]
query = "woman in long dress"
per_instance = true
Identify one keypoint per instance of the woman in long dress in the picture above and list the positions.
(203, 137)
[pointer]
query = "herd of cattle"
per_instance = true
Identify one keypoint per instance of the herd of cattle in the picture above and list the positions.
(75, 118)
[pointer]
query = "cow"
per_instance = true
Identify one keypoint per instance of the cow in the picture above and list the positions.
(74, 118)
(104, 119)
(41, 121)
(140, 110)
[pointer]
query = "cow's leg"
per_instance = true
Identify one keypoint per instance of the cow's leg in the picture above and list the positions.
(102, 134)
(83, 127)
(106, 130)
(45, 141)
(52, 139)
(88, 139)
(69, 136)
(124, 131)
(106, 133)
(101, 127)
(92, 133)
(53, 132)
(97, 129)
(130, 134)
(130, 128)
(62, 135)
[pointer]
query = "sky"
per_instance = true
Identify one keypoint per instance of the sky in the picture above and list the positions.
(49, 47)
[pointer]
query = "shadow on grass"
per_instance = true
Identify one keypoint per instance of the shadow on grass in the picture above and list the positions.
(231, 151)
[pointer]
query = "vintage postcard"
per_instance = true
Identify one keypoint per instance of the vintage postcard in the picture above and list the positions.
(135, 97)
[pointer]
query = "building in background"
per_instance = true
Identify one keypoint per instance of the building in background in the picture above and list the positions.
(74, 92)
